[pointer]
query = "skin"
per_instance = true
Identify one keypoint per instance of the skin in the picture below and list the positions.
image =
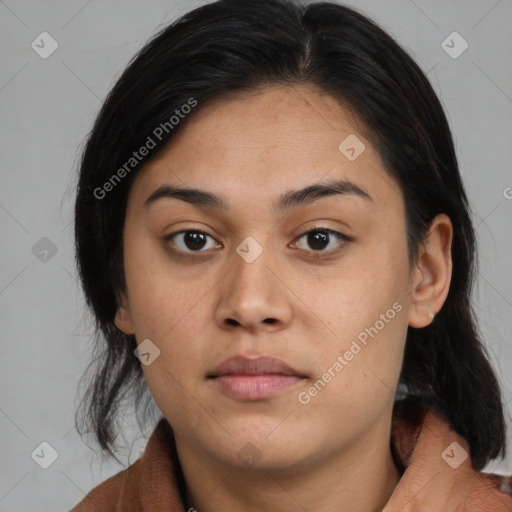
(333, 452)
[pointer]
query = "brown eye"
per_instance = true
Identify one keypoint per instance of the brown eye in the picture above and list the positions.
(190, 241)
(319, 239)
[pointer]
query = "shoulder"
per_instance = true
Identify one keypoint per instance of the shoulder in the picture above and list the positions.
(438, 471)
(107, 495)
(149, 483)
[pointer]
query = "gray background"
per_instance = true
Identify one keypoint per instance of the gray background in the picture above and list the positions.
(47, 108)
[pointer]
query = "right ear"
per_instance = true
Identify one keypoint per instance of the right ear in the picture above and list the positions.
(123, 318)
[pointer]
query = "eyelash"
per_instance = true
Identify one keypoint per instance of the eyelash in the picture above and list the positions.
(314, 254)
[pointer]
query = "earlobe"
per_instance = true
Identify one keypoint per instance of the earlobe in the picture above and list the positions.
(123, 320)
(433, 272)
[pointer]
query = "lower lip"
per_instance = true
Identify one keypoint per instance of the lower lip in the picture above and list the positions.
(254, 387)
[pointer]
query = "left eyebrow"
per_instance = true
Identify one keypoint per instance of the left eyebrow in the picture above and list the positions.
(287, 201)
(311, 193)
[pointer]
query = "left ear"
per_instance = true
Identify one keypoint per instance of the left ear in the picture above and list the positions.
(123, 317)
(431, 277)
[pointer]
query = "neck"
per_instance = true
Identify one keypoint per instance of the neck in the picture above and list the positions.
(358, 479)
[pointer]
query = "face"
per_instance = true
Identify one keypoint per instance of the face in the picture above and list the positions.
(207, 283)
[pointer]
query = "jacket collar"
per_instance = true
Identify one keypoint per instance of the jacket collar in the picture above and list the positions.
(155, 481)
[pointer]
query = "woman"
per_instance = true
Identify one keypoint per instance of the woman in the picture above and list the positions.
(273, 236)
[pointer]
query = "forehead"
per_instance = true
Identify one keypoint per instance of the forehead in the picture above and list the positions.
(269, 117)
(257, 146)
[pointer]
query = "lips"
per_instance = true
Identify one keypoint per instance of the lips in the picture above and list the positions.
(262, 365)
(261, 378)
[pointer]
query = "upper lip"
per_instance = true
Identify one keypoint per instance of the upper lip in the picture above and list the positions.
(242, 365)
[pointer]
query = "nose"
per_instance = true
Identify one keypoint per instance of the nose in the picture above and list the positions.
(254, 296)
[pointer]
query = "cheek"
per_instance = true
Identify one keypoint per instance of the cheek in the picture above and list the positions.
(168, 311)
(159, 295)
(167, 380)
(358, 379)
(172, 316)
(367, 315)
(171, 321)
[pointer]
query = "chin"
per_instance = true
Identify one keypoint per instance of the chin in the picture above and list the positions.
(257, 447)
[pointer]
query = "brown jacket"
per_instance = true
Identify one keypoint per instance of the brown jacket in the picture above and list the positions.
(154, 483)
